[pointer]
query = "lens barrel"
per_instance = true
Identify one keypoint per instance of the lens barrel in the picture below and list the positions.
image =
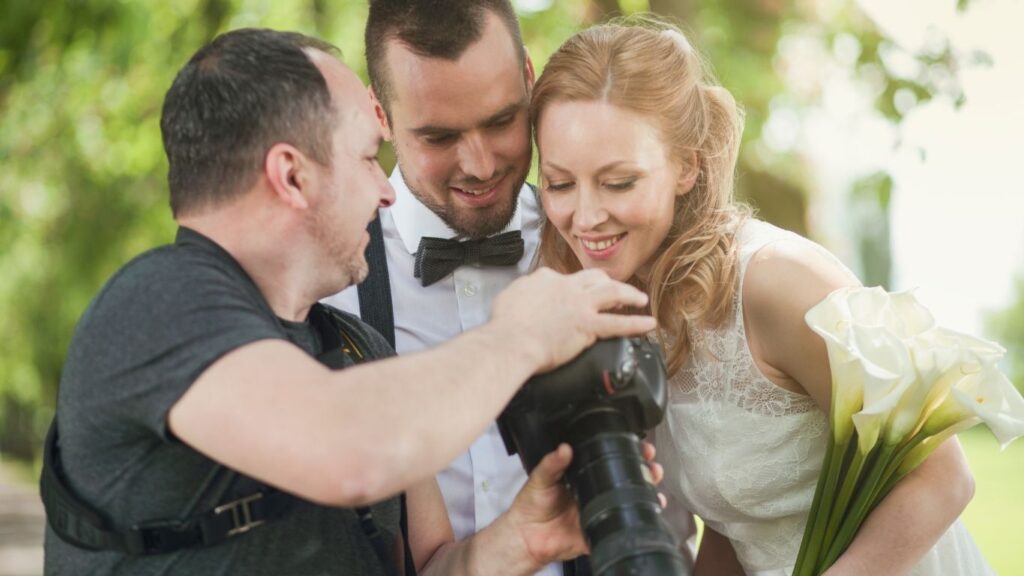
(619, 509)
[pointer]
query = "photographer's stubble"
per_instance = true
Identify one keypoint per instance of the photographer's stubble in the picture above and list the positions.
(460, 128)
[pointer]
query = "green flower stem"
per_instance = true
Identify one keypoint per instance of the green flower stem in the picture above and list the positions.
(861, 506)
(851, 479)
(803, 567)
(894, 473)
(814, 535)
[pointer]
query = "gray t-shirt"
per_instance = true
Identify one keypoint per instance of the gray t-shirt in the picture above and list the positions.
(153, 329)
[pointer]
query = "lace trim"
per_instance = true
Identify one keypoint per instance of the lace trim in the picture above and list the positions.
(721, 368)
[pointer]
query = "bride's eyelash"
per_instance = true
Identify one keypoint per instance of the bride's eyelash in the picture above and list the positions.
(622, 185)
(558, 187)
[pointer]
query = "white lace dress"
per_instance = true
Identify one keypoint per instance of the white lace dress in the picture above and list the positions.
(744, 454)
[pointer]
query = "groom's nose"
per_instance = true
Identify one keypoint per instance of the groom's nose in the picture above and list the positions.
(476, 158)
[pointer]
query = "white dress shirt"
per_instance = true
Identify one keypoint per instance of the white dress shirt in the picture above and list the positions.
(481, 483)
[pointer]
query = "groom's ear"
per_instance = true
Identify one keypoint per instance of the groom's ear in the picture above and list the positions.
(382, 116)
(528, 73)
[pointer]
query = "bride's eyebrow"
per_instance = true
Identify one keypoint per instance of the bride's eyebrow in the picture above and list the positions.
(613, 165)
(546, 165)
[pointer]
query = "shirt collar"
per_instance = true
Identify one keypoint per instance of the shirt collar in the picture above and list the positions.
(414, 220)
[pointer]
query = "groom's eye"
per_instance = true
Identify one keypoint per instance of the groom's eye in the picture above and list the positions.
(502, 121)
(441, 139)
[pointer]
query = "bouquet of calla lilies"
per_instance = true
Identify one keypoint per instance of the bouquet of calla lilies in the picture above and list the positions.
(900, 387)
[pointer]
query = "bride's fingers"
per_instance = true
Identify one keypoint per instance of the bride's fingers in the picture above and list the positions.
(657, 473)
(648, 450)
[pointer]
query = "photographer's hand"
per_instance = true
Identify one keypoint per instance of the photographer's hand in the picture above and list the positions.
(541, 527)
(555, 316)
(544, 514)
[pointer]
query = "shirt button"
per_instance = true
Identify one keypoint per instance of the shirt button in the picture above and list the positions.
(469, 289)
(485, 485)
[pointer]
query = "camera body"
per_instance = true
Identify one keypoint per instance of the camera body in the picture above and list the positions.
(600, 403)
(626, 375)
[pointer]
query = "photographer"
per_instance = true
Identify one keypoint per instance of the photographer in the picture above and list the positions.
(192, 416)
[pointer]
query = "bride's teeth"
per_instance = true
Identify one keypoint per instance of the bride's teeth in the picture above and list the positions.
(602, 245)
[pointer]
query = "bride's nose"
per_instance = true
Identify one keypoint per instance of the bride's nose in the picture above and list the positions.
(590, 211)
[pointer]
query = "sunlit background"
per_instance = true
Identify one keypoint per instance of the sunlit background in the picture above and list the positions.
(886, 130)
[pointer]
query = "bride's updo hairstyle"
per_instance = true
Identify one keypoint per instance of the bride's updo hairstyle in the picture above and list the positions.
(647, 66)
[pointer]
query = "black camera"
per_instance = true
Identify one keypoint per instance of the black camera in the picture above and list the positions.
(600, 403)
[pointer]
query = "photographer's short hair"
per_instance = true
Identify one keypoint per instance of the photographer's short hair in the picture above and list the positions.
(235, 98)
(430, 28)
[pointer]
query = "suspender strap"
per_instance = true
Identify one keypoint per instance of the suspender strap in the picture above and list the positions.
(375, 307)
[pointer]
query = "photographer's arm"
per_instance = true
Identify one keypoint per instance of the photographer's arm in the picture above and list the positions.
(272, 412)
(783, 282)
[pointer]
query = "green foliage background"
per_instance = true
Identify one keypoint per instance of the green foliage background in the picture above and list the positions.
(82, 171)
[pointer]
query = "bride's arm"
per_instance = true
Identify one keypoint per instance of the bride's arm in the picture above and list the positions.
(716, 556)
(783, 281)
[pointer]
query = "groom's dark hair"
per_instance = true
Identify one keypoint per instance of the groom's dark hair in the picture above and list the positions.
(430, 28)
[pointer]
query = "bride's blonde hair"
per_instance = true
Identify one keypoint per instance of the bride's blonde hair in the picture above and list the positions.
(647, 66)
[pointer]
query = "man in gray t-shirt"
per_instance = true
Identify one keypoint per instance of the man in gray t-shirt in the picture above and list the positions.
(125, 370)
(191, 378)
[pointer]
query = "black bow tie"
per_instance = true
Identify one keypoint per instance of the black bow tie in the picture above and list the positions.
(439, 257)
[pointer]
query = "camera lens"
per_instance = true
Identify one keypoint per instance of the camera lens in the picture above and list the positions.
(619, 509)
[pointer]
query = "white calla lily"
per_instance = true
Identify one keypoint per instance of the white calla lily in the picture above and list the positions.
(986, 396)
(889, 373)
(902, 386)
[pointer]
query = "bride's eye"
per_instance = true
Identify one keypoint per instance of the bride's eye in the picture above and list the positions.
(621, 185)
(558, 186)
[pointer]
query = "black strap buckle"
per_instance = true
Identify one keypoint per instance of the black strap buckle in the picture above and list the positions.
(159, 536)
(241, 514)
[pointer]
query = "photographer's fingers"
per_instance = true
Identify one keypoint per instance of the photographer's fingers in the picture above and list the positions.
(550, 469)
(590, 277)
(609, 294)
(611, 325)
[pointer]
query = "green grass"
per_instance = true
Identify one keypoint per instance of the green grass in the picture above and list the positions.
(996, 514)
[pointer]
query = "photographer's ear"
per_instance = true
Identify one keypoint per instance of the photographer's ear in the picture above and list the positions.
(288, 172)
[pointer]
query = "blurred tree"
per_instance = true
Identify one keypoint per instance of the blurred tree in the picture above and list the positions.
(1007, 327)
(82, 172)
(83, 177)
